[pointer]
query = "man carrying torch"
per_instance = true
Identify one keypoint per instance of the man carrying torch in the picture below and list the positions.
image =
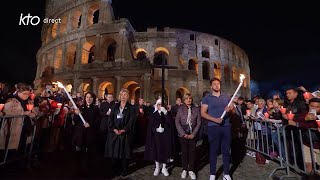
(216, 108)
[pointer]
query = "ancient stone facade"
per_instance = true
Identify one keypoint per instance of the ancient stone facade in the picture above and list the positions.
(91, 51)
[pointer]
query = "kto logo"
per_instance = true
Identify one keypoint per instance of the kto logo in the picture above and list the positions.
(25, 20)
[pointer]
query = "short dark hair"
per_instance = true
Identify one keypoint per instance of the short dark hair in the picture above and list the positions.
(214, 79)
(317, 100)
(291, 88)
(241, 98)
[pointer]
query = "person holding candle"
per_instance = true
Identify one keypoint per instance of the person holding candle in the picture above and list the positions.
(309, 121)
(297, 106)
(121, 134)
(21, 127)
(158, 142)
(105, 111)
(219, 130)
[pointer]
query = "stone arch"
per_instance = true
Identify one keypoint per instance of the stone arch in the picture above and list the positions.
(193, 65)
(160, 54)
(132, 87)
(71, 54)
(234, 73)
(54, 30)
(217, 70)
(181, 92)
(109, 48)
(69, 88)
(63, 24)
(141, 54)
(206, 70)
(86, 52)
(76, 19)
(93, 14)
(84, 88)
(58, 58)
(226, 73)
(91, 54)
(102, 89)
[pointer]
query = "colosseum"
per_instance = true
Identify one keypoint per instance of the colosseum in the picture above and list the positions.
(92, 51)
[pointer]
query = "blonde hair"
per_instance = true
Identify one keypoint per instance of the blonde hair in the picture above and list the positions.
(187, 95)
(123, 91)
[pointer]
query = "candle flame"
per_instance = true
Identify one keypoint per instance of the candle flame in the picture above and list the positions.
(242, 77)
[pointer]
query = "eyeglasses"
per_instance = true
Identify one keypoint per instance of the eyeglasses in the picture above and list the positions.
(25, 93)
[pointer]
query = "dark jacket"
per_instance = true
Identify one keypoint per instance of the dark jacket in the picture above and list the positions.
(87, 136)
(120, 146)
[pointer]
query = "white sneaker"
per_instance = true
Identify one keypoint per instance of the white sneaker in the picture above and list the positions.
(212, 177)
(165, 171)
(227, 177)
(267, 161)
(192, 175)
(184, 174)
(156, 171)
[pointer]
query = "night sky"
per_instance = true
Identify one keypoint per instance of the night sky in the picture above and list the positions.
(282, 41)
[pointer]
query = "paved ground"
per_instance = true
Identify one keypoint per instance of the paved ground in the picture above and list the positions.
(66, 165)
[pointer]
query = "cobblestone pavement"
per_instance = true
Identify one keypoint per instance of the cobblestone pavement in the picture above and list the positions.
(247, 170)
(67, 165)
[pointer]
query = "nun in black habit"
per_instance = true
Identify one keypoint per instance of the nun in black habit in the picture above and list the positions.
(158, 146)
(121, 133)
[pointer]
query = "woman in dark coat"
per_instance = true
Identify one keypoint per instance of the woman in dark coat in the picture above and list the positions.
(158, 147)
(121, 133)
(85, 135)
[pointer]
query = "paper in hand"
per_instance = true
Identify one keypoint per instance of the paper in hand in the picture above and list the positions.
(316, 94)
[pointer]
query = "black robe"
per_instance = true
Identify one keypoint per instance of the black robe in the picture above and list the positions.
(159, 145)
(120, 146)
(87, 137)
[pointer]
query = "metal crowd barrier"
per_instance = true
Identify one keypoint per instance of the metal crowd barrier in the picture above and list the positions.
(8, 131)
(294, 148)
(266, 136)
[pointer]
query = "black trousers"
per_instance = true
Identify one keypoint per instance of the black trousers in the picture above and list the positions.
(119, 165)
(188, 149)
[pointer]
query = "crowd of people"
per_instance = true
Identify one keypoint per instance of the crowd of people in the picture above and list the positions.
(113, 126)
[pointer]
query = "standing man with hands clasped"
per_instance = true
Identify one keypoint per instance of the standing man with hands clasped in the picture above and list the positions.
(219, 130)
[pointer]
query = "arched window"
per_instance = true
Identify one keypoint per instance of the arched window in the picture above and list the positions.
(205, 70)
(192, 65)
(95, 17)
(159, 57)
(91, 54)
(141, 56)
(111, 51)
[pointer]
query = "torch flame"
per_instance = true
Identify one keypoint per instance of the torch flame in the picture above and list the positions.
(60, 85)
(242, 77)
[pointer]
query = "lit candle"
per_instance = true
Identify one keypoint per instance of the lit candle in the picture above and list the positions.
(32, 96)
(30, 107)
(290, 115)
(306, 95)
(283, 110)
(60, 85)
(1, 107)
(242, 77)
(59, 105)
(248, 112)
(266, 115)
(318, 122)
